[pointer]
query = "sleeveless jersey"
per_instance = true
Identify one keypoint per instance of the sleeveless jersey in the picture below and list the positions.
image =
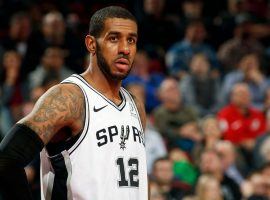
(107, 161)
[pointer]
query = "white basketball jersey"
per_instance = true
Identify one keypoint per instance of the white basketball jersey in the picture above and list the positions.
(107, 161)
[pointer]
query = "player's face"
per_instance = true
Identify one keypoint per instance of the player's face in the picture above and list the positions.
(116, 48)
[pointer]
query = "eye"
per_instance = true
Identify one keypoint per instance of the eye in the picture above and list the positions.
(131, 41)
(113, 38)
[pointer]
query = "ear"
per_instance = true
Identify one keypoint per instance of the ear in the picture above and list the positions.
(90, 43)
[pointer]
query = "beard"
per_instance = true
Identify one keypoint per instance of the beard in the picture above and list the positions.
(105, 68)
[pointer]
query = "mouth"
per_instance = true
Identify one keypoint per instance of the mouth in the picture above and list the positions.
(123, 61)
(122, 64)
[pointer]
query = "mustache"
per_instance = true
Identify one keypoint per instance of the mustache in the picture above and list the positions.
(123, 56)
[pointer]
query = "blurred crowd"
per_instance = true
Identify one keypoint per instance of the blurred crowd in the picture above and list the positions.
(202, 69)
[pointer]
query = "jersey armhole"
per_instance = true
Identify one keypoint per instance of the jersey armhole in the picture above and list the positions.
(86, 121)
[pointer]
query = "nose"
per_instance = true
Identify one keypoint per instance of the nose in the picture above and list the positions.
(124, 48)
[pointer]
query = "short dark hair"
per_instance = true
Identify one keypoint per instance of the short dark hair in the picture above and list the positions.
(96, 25)
(160, 159)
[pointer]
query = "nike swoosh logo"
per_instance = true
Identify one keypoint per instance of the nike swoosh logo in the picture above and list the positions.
(99, 109)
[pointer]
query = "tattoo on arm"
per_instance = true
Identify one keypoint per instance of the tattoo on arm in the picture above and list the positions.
(60, 106)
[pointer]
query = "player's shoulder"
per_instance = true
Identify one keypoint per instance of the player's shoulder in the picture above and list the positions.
(60, 106)
(66, 89)
(63, 97)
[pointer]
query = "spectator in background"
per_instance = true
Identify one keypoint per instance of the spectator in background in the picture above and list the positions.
(231, 51)
(55, 33)
(141, 74)
(266, 102)
(185, 172)
(182, 12)
(255, 186)
(179, 55)
(211, 131)
(248, 71)
(19, 39)
(265, 171)
(231, 166)
(240, 122)
(192, 10)
(211, 135)
(13, 90)
(195, 10)
(261, 152)
(53, 61)
(19, 32)
(157, 31)
(189, 137)
(155, 193)
(210, 163)
(227, 20)
(164, 177)
(172, 114)
(208, 187)
(200, 89)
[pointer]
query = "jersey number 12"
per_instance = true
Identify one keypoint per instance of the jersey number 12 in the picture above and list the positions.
(133, 166)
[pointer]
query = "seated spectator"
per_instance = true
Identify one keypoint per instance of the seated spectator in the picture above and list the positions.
(208, 187)
(211, 131)
(172, 114)
(211, 134)
(19, 39)
(184, 170)
(55, 33)
(189, 137)
(191, 10)
(210, 163)
(155, 193)
(200, 89)
(231, 51)
(52, 62)
(255, 186)
(265, 171)
(240, 122)
(179, 55)
(13, 90)
(157, 31)
(248, 71)
(230, 161)
(261, 152)
(266, 102)
(164, 177)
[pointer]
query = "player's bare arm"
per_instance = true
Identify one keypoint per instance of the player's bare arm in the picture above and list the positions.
(61, 106)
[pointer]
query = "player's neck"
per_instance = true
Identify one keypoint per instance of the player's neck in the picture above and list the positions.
(108, 88)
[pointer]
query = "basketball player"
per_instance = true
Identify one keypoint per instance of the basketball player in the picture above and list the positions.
(92, 128)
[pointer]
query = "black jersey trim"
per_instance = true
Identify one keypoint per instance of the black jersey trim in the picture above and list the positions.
(87, 120)
(119, 107)
(72, 149)
(62, 175)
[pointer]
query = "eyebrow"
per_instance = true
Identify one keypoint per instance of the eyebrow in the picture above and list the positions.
(117, 33)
